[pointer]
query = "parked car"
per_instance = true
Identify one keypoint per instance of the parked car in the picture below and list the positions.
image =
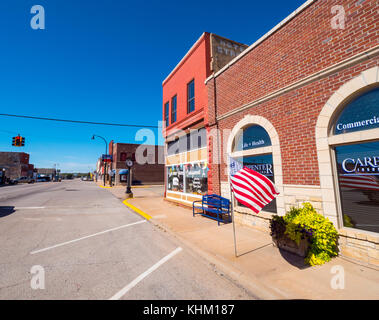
(43, 179)
(25, 180)
(12, 181)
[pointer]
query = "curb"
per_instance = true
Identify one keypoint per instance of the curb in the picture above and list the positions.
(104, 187)
(135, 209)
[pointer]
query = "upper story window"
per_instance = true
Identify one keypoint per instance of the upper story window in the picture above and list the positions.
(173, 109)
(191, 96)
(166, 113)
(123, 156)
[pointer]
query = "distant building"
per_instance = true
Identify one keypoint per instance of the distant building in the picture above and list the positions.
(147, 169)
(46, 172)
(16, 164)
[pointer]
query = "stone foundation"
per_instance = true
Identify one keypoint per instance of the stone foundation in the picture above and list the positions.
(359, 247)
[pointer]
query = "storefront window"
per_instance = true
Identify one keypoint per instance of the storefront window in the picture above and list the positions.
(197, 178)
(358, 177)
(175, 178)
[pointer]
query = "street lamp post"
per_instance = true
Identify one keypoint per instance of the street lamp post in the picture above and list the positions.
(106, 152)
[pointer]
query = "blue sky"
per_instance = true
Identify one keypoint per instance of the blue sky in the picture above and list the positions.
(104, 61)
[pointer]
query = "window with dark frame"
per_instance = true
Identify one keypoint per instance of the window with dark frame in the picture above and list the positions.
(123, 156)
(173, 109)
(166, 113)
(191, 96)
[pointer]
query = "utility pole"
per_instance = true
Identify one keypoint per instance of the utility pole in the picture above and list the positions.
(106, 152)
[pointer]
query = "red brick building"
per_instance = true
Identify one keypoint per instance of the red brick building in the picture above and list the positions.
(185, 115)
(16, 164)
(147, 169)
(308, 90)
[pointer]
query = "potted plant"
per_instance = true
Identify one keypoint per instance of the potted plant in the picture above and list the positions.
(306, 233)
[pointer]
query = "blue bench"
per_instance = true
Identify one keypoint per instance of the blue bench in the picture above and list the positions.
(213, 204)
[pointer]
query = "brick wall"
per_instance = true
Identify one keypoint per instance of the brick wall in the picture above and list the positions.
(142, 173)
(195, 65)
(304, 46)
(16, 164)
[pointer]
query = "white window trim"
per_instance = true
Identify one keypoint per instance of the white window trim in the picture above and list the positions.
(274, 149)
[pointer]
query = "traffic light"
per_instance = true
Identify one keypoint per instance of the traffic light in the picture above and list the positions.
(18, 141)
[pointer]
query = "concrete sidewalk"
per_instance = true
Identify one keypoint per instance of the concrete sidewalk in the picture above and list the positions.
(260, 267)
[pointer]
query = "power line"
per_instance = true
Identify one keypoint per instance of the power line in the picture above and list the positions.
(81, 122)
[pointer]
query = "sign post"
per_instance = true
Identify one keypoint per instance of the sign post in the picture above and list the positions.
(106, 158)
(129, 163)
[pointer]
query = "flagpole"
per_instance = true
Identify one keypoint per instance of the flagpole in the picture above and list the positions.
(234, 227)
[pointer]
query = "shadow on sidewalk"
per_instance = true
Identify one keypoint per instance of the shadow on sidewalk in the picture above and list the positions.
(253, 250)
(294, 259)
(6, 211)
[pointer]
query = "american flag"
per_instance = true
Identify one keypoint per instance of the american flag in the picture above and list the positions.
(253, 189)
(359, 181)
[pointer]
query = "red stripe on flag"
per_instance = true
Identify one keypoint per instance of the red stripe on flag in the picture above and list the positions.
(258, 181)
(246, 203)
(264, 178)
(255, 199)
(253, 189)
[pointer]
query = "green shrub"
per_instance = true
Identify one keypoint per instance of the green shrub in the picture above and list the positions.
(305, 222)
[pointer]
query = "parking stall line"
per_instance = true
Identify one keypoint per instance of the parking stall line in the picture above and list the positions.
(86, 237)
(124, 290)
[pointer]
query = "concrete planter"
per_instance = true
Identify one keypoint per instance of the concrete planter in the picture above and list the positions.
(288, 244)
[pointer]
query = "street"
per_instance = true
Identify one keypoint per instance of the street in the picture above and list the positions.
(91, 246)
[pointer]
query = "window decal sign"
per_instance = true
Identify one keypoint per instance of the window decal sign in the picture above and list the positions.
(252, 137)
(367, 165)
(360, 114)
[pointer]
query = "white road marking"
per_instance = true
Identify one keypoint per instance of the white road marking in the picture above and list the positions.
(123, 291)
(25, 208)
(86, 237)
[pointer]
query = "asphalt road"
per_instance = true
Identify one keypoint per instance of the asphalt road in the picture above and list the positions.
(75, 240)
